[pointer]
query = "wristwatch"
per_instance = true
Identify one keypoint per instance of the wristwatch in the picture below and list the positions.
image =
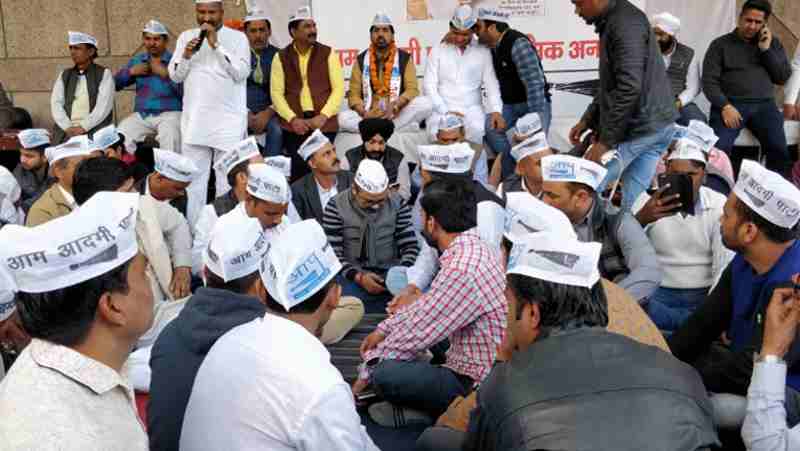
(769, 358)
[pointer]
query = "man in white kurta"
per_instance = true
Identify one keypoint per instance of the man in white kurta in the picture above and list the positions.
(792, 90)
(214, 81)
(455, 77)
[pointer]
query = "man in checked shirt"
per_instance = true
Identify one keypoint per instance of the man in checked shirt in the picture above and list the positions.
(464, 304)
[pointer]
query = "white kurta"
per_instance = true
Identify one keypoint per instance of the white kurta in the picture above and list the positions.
(693, 78)
(214, 89)
(792, 88)
(270, 384)
(102, 108)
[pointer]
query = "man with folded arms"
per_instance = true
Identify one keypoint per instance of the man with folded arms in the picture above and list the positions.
(84, 298)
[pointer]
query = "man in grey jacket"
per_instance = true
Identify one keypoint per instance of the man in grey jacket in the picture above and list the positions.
(634, 112)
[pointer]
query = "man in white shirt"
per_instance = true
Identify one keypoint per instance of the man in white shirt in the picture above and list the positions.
(792, 90)
(689, 247)
(765, 427)
(214, 73)
(269, 383)
(455, 77)
(85, 307)
(83, 95)
(683, 67)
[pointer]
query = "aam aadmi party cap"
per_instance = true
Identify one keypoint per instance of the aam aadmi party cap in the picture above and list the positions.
(531, 146)
(155, 27)
(10, 192)
(371, 177)
(566, 168)
(174, 166)
(77, 38)
(493, 14)
(106, 137)
(525, 214)
(463, 18)
(237, 246)
(302, 13)
(34, 137)
(267, 184)
(453, 159)
(244, 150)
(257, 10)
(312, 144)
(281, 164)
(549, 256)
(7, 298)
(529, 124)
(298, 265)
(77, 146)
(667, 23)
(767, 193)
(688, 149)
(92, 240)
(381, 19)
(450, 121)
(702, 133)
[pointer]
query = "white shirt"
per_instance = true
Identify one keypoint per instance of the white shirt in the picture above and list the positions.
(56, 398)
(214, 89)
(693, 77)
(326, 195)
(269, 384)
(792, 88)
(453, 80)
(68, 197)
(102, 107)
(764, 427)
(690, 249)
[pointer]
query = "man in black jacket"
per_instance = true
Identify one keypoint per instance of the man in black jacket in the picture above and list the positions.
(739, 74)
(634, 112)
(566, 382)
(375, 133)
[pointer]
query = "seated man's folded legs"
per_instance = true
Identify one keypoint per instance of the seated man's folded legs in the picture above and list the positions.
(344, 318)
(416, 111)
(168, 125)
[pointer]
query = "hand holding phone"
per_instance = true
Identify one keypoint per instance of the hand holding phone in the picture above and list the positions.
(765, 38)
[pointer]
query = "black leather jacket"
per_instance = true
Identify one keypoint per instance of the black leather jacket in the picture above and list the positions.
(635, 97)
(589, 389)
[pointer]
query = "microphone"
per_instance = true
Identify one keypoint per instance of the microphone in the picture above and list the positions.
(202, 38)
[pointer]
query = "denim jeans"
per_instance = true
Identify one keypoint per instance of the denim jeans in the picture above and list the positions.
(691, 112)
(373, 303)
(637, 163)
(765, 121)
(274, 139)
(419, 385)
(498, 140)
(669, 308)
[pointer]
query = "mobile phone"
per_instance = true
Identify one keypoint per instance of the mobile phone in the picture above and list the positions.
(680, 184)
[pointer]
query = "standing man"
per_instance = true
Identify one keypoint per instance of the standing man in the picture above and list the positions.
(683, 68)
(158, 99)
(261, 118)
(740, 72)
(523, 85)
(31, 172)
(383, 83)
(307, 88)
(456, 76)
(634, 112)
(83, 95)
(213, 63)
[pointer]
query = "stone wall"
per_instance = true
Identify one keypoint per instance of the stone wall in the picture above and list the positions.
(33, 41)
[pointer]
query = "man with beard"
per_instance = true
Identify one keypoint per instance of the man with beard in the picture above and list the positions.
(31, 172)
(307, 88)
(375, 133)
(759, 222)
(158, 99)
(523, 85)
(83, 95)
(212, 62)
(383, 83)
(313, 191)
(683, 67)
(261, 118)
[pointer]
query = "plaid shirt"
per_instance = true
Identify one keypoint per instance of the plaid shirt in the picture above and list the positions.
(154, 95)
(529, 68)
(465, 304)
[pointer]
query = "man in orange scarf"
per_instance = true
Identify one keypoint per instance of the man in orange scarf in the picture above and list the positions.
(383, 83)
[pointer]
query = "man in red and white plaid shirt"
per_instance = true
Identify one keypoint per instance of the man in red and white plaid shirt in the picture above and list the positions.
(465, 304)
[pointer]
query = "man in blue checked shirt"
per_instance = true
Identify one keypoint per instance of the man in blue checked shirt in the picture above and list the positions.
(158, 99)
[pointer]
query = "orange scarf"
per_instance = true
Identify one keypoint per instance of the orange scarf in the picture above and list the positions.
(381, 87)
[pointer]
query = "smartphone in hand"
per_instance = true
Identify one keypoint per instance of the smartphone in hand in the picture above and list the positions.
(680, 184)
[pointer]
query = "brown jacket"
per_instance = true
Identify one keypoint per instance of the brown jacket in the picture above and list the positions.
(319, 82)
(51, 205)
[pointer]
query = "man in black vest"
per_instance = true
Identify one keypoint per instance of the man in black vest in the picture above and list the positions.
(375, 134)
(83, 96)
(523, 85)
(683, 68)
